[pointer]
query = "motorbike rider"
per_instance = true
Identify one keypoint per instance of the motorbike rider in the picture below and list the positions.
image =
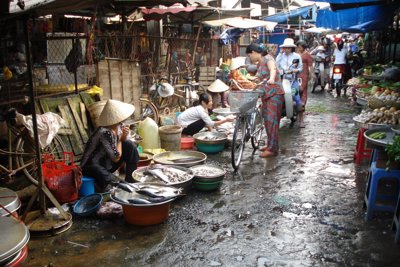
(290, 61)
(320, 53)
(340, 59)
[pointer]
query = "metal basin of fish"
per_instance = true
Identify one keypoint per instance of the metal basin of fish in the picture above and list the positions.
(208, 173)
(210, 138)
(180, 158)
(176, 176)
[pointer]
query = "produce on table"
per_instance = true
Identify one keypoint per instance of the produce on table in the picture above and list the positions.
(380, 116)
(378, 135)
(393, 150)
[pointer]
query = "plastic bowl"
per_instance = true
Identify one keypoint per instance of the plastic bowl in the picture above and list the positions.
(207, 186)
(88, 205)
(144, 159)
(146, 215)
(187, 143)
(210, 148)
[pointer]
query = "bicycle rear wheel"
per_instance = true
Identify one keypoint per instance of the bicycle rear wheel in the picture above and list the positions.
(257, 129)
(238, 142)
(27, 158)
(148, 109)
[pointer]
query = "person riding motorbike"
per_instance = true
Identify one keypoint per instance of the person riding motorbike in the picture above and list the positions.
(340, 61)
(290, 64)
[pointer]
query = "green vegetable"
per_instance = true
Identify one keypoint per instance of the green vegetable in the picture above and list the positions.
(377, 135)
(393, 150)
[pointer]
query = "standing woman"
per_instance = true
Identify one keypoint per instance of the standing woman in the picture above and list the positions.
(307, 60)
(272, 97)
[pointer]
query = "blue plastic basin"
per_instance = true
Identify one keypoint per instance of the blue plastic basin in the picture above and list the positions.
(88, 205)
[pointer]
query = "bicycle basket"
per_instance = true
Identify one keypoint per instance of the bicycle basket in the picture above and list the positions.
(243, 101)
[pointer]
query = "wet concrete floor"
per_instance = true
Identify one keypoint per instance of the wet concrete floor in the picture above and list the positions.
(301, 208)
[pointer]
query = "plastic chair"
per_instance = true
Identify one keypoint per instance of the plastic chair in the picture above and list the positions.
(371, 197)
(361, 152)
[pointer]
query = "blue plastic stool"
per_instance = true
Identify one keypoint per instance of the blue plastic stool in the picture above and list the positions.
(376, 175)
(396, 222)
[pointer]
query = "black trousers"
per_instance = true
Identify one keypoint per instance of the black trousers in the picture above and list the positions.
(194, 127)
(104, 176)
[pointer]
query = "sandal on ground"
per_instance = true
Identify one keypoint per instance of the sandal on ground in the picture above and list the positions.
(267, 154)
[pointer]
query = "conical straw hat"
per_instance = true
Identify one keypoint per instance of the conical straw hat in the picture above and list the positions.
(237, 62)
(218, 86)
(114, 112)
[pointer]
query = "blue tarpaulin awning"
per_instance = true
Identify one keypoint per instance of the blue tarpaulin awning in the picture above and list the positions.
(283, 17)
(360, 19)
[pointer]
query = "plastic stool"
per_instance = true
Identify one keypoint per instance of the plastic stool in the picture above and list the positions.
(375, 175)
(361, 152)
(396, 222)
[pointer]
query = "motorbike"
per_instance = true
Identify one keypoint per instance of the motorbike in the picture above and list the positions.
(291, 85)
(319, 71)
(338, 78)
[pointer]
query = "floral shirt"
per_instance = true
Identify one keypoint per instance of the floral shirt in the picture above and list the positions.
(101, 148)
(263, 73)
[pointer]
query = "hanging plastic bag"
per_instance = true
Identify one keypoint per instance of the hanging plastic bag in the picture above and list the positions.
(74, 58)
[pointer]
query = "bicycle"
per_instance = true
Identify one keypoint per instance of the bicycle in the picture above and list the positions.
(21, 151)
(249, 122)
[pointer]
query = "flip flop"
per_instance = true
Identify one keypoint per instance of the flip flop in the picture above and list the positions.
(267, 154)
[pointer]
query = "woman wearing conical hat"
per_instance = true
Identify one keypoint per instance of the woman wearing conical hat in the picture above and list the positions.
(109, 147)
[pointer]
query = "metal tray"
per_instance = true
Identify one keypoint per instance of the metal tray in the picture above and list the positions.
(362, 101)
(396, 129)
(366, 125)
(14, 235)
(8, 199)
(180, 158)
(224, 111)
(380, 142)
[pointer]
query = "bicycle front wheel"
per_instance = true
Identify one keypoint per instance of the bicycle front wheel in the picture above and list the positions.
(257, 129)
(238, 142)
(27, 157)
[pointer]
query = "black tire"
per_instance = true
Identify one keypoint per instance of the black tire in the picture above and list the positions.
(257, 131)
(24, 145)
(238, 142)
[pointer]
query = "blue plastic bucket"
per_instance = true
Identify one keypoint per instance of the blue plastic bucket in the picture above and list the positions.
(87, 187)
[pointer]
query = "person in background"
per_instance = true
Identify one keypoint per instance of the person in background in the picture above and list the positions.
(195, 118)
(307, 60)
(109, 146)
(199, 61)
(340, 59)
(272, 96)
(218, 87)
(285, 59)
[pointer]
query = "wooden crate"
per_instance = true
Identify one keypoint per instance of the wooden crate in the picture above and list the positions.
(207, 76)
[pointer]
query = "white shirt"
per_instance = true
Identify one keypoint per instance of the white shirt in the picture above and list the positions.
(193, 114)
(285, 62)
(340, 56)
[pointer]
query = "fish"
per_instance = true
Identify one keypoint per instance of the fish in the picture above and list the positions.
(120, 200)
(184, 160)
(159, 174)
(139, 201)
(160, 199)
(126, 187)
(159, 191)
